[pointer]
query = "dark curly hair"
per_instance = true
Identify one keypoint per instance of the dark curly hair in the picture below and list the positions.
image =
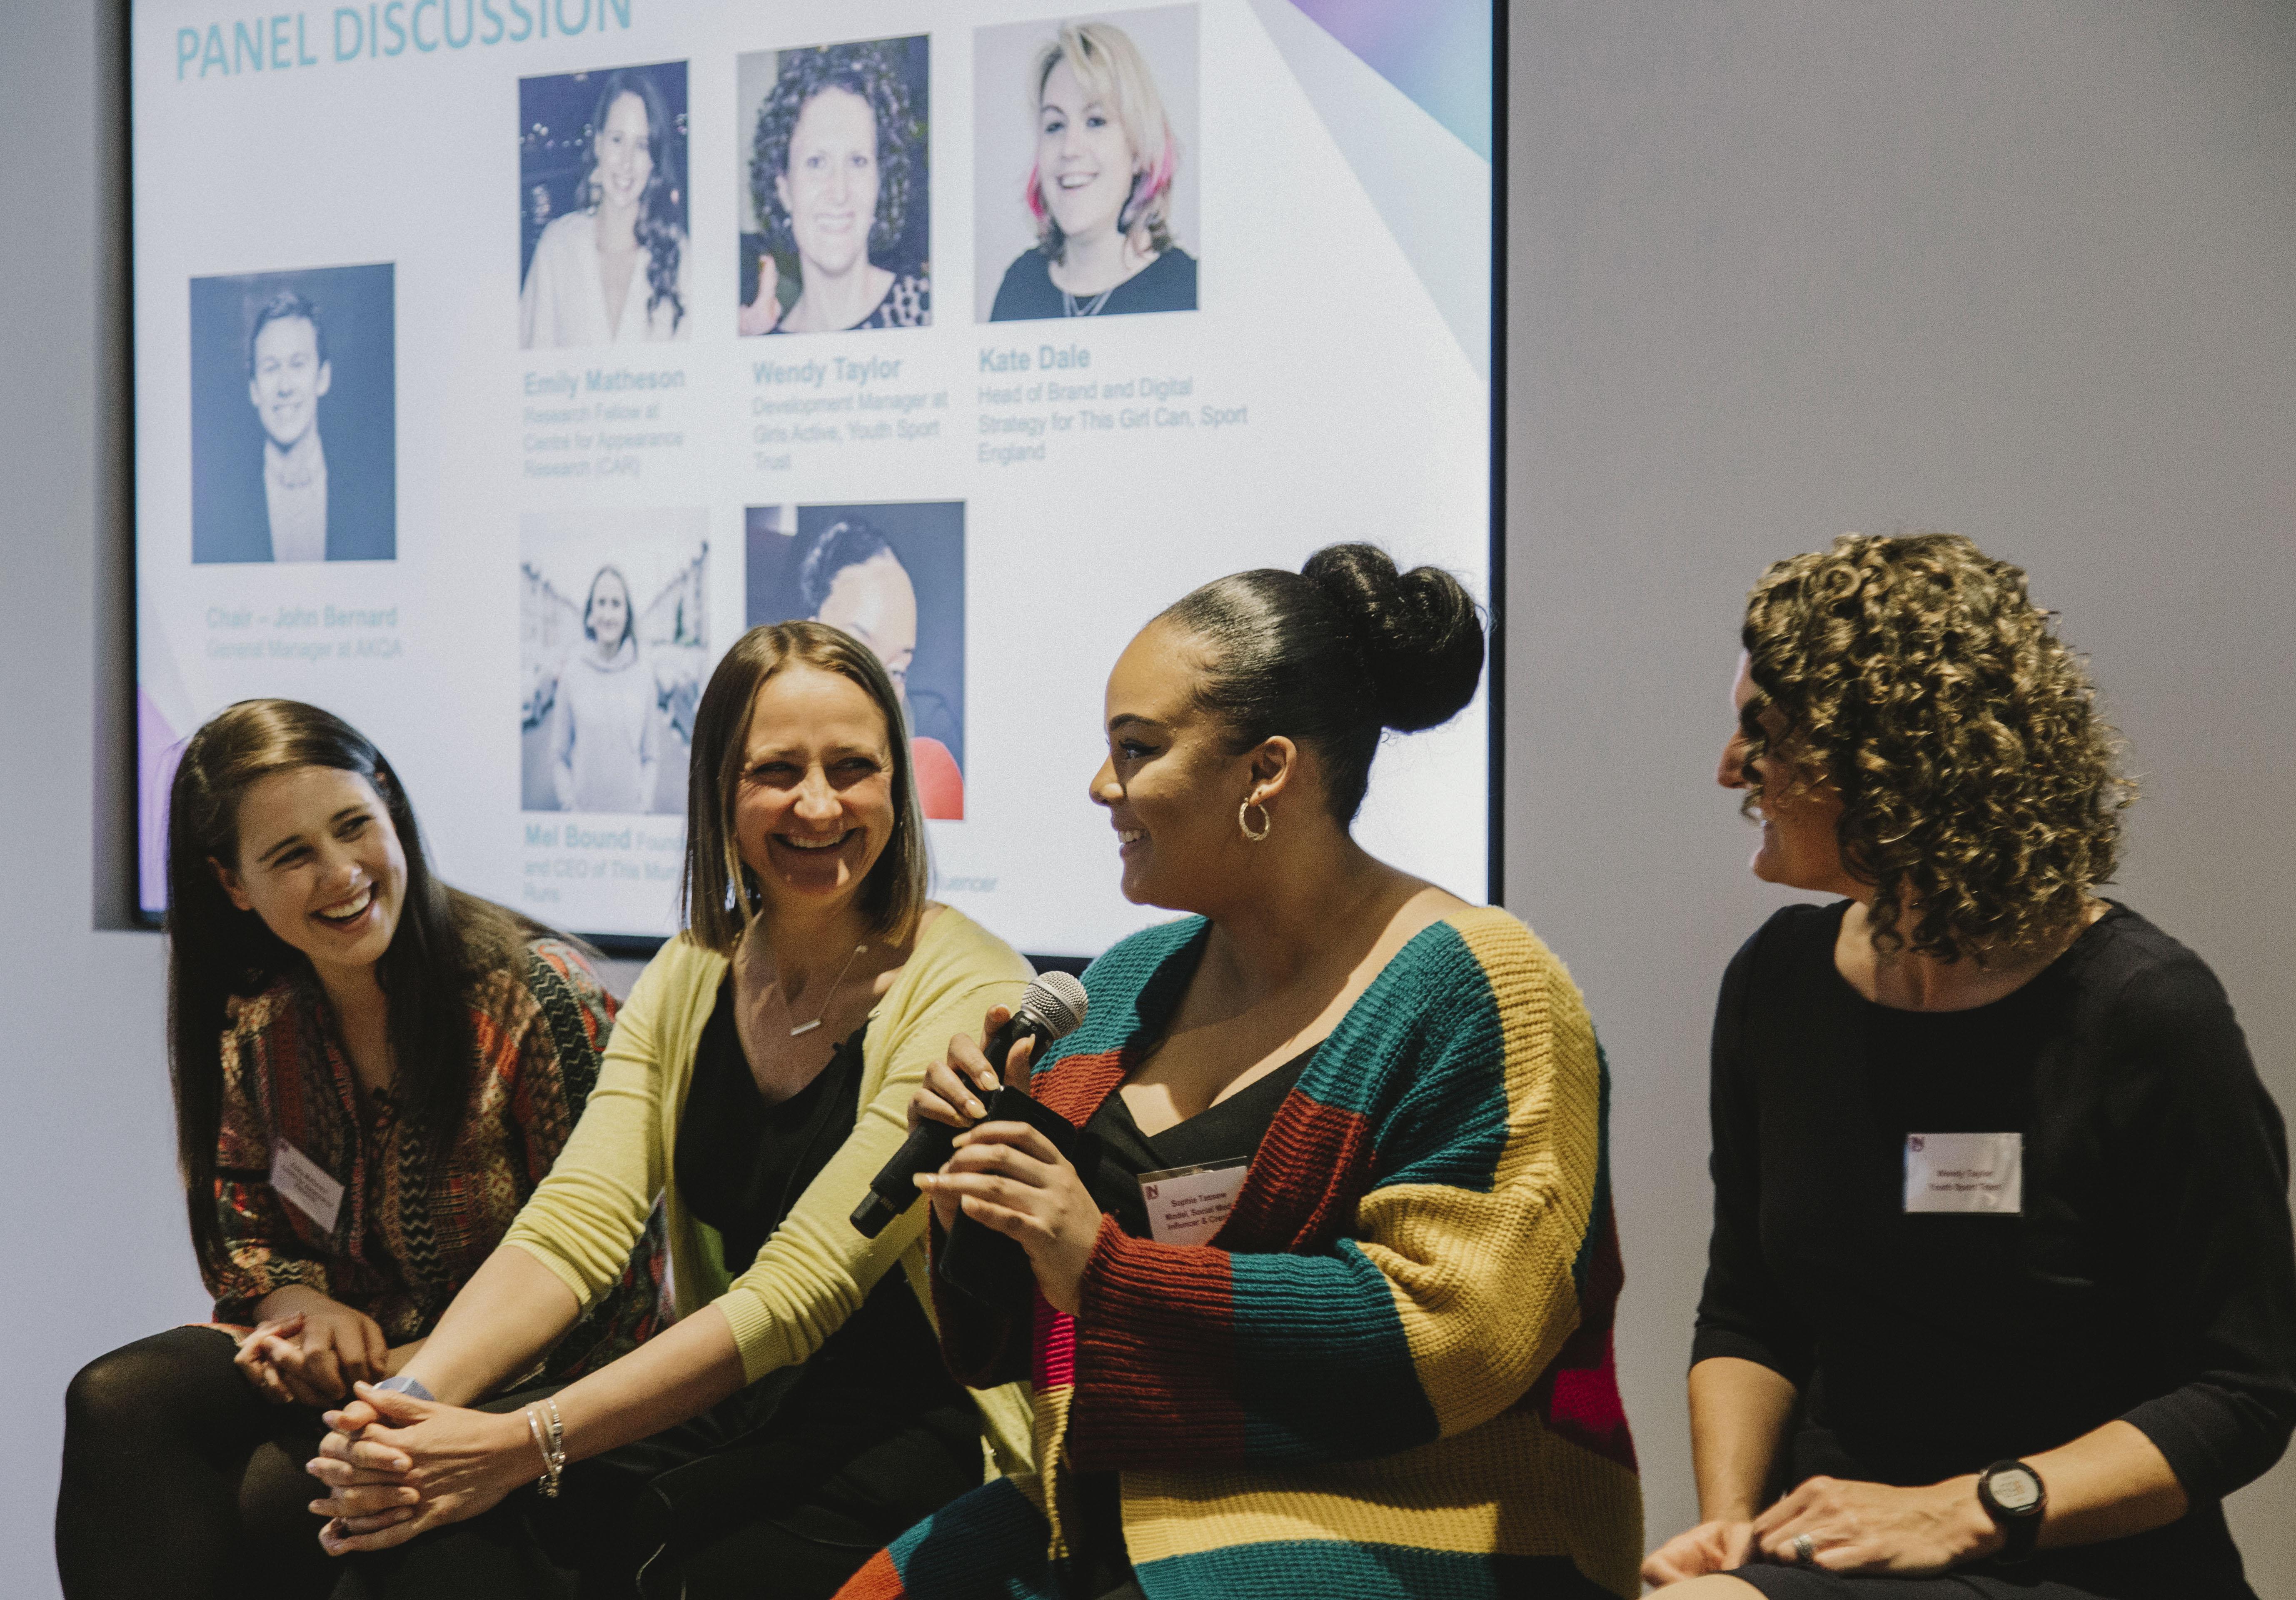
(660, 225)
(872, 69)
(1916, 677)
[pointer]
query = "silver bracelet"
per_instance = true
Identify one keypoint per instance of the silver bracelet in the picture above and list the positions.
(550, 1442)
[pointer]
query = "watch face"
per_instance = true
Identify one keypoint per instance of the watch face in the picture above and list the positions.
(2014, 1489)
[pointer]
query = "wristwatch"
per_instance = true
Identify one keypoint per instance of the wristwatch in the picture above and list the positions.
(2014, 1498)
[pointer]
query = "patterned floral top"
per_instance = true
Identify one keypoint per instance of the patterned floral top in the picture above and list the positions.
(407, 1238)
(907, 304)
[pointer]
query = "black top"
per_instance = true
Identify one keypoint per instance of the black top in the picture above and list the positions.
(742, 1163)
(1027, 293)
(2150, 1276)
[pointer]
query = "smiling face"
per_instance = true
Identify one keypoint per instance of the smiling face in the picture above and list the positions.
(1800, 847)
(1085, 163)
(608, 618)
(813, 810)
(320, 863)
(1171, 782)
(623, 150)
(830, 188)
(289, 377)
(876, 602)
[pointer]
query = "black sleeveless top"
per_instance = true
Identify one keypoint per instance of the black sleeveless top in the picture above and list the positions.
(741, 1164)
(1228, 1130)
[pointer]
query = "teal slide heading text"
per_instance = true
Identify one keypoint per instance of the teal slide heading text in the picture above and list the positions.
(382, 28)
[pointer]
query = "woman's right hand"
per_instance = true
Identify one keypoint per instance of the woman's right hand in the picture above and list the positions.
(763, 314)
(1708, 1547)
(312, 1348)
(952, 1091)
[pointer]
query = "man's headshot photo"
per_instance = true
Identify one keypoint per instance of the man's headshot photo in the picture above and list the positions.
(293, 416)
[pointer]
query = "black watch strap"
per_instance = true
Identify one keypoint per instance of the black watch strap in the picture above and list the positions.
(2014, 1496)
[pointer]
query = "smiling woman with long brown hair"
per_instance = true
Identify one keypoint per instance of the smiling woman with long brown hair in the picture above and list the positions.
(372, 1070)
(795, 1416)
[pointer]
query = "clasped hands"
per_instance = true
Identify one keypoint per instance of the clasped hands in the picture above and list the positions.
(1852, 1527)
(1006, 1176)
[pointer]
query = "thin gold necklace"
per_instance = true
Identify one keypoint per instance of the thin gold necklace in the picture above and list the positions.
(797, 1027)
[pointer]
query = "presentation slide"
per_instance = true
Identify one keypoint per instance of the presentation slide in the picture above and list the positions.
(498, 362)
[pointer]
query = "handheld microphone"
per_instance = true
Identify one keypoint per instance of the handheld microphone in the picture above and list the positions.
(1050, 1008)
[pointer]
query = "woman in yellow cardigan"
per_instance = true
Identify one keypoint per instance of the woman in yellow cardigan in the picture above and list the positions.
(798, 1413)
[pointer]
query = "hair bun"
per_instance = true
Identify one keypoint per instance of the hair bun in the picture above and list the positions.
(1419, 632)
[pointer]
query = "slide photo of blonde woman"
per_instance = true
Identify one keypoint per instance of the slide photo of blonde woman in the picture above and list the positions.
(1085, 189)
(836, 224)
(614, 649)
(602, 209)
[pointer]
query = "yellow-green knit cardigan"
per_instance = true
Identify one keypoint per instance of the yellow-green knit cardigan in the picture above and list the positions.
(817, 1268)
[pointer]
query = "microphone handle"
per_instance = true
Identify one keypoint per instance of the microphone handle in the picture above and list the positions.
(929, 1144)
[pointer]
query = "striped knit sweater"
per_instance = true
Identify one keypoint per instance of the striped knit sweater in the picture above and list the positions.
(1390, 1373)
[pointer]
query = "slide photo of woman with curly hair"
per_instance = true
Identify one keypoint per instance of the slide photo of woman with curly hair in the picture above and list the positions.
(602, 185)
(835, 232)
(614, 649)
(1084, 195)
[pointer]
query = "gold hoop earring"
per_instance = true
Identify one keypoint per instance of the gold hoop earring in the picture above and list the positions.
(1267, 823)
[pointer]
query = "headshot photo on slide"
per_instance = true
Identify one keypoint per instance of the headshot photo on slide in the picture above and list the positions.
(891, 575)
(294, 416)
(613, 650)
(834, 178)
(1085, 184)
(602, 227)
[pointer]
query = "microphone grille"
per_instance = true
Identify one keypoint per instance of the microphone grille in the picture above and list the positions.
(1057, 1000)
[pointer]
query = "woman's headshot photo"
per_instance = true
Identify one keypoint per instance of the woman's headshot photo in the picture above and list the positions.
(613, 645)
(602, 185)
(892, 577)
(836, 232)
(294, 416)
(1085, 201)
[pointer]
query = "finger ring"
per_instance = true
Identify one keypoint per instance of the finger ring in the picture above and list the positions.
(1804, 1551)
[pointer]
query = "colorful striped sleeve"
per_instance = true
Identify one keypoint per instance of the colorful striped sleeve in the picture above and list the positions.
(1465, 1089)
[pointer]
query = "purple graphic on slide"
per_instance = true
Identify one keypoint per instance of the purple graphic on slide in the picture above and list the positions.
(1438, 52)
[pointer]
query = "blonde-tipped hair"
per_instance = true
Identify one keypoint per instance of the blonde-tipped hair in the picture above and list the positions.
(1111, 67)
(719, 898)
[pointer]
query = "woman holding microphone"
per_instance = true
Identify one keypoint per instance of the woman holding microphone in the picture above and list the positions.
(797, 1414)
(2000, 1288)
(1342, 1233)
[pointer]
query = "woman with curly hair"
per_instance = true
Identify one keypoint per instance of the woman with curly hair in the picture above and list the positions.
(614, 271)
(835, 166)
(1101, 190)
(2001, 1297)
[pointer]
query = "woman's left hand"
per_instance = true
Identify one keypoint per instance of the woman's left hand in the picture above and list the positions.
(398, 1467)
(1008, 1177)
(1875, 1528)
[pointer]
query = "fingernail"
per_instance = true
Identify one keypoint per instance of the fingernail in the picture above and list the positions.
(973, 1108)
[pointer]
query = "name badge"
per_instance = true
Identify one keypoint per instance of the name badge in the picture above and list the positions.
(1965, 1172)
(1187, 1205)
(303, 1184)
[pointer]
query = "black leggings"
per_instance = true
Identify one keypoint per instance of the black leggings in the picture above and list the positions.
(180, 1480)
(749, 1498)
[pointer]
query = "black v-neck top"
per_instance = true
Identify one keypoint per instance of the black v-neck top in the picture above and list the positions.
(1226, 1130)
(2149, 1276)
(741, 1164)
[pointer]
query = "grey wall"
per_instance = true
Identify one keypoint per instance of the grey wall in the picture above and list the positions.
(2024, 270)
(1781, 269)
